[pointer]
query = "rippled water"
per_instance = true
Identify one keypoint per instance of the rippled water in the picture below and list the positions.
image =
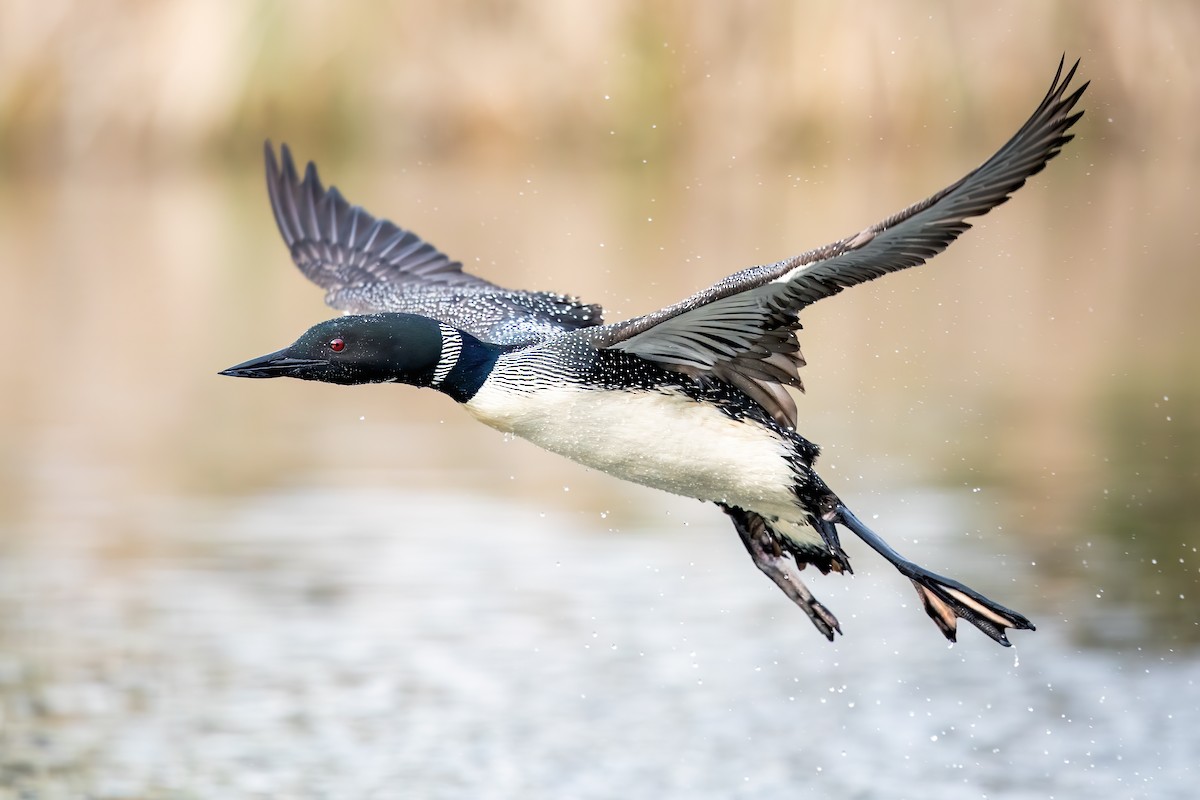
(367, 643)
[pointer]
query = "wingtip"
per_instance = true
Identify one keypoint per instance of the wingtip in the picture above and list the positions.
(287, 166)
(280, 163)
(313, 180)
(1062, 62)
(271, 164)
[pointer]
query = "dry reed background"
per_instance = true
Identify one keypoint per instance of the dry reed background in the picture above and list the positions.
(181, 82)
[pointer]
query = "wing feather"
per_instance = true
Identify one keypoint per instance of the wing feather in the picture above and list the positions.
(369, 265)
(734, 329)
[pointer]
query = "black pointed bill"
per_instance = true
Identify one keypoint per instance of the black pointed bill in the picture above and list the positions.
(274, 365)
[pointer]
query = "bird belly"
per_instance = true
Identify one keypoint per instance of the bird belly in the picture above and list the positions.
(657, 438)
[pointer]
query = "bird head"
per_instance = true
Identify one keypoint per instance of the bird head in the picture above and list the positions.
(375, 348)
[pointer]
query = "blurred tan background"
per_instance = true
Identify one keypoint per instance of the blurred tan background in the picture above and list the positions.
(627, 152)
(223, 565)
(178, 82)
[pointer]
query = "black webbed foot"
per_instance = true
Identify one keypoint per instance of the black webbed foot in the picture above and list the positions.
(776, 565)
(945, 600)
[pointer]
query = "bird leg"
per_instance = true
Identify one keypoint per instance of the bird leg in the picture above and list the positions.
(769, 558)
(945, 600)
(840, 561)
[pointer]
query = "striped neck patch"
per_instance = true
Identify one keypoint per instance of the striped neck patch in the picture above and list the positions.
(451, 350)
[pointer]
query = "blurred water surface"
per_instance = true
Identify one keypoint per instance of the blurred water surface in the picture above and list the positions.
(316, 642)
(218, 588)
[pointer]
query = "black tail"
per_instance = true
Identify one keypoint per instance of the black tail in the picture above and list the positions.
(945, 600)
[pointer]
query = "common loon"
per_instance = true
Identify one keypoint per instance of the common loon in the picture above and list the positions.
(690, 399)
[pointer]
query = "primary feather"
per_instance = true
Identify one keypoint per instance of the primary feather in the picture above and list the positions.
(368, 265)
(741, 329)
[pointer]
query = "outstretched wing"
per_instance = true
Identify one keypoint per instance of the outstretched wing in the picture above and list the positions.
(369, 265)
(742, 330)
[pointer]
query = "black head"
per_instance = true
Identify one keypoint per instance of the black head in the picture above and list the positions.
(404, 348)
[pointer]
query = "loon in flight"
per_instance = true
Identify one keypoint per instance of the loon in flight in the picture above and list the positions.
(692, 399)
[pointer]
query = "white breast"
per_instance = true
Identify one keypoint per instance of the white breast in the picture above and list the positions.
(659, 439)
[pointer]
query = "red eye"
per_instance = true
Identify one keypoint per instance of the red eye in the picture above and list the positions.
(337, 345)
